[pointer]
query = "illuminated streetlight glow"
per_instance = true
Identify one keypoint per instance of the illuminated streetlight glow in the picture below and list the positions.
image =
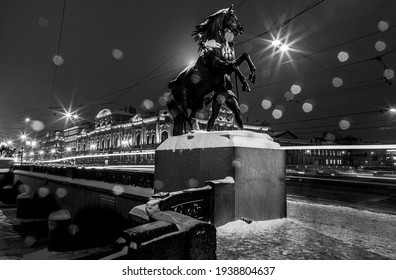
(276, 43)
(27, 120)
(284, 48)
(392, 110)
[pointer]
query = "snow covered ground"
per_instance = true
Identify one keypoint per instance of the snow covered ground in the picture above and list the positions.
(311, 231)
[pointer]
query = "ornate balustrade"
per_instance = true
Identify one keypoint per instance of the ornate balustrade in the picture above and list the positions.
(123, 177)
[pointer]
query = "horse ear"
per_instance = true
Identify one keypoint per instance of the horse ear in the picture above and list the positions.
(231, 8)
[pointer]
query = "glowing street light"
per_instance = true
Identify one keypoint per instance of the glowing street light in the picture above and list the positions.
(27, 120)
(276, 43)
(23, 139)
(284, 48)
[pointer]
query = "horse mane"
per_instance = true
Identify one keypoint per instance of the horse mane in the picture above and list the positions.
(209, 29)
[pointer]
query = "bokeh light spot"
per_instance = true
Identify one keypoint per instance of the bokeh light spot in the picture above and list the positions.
(43, 192)
(195, 78)
(337, 82)
(43, 22)
(307, 107)
(61, 192)
(344, 124)
(30, 240)
(158, 184)
(244, 108)
(383, 25)
(236, 163)
(37, 125)
(73, 229)
(199, 116)
(266, 104)
(118, 190)
(57, 60)
(147, 104)
(277, 114)
(220, 99)
(295, 89)
(117, 54)
(389, 74)
(380, 46)
(193, 183)
(23, 188)
(330, 137)
(163, 100)
(288, 95)
(343, 56)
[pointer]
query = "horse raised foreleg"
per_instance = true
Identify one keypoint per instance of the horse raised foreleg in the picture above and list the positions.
(242, 78)
(252, 68)
(232, 67)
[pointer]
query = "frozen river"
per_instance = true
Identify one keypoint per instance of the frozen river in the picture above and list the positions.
(311, 231)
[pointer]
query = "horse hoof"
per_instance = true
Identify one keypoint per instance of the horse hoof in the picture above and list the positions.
(252, 78)
(246, 88)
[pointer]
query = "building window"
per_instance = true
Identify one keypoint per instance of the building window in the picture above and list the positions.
(138, 139)
(164, 136)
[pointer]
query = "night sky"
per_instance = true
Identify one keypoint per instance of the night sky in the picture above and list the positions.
(113, 54)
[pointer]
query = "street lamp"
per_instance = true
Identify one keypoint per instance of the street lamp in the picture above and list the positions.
(23, 139)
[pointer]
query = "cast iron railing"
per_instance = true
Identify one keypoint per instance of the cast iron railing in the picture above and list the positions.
(124, 177)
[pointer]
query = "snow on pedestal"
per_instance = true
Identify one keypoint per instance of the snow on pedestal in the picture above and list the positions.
(253, 160)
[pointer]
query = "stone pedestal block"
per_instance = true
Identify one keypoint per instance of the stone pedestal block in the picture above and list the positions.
(25, 206)
(253, 161)
(59, 234)
(9, 195)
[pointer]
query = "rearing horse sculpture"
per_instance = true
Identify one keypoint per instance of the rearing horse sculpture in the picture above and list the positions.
(210, 73)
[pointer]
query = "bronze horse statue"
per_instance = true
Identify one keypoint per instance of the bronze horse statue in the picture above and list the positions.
(210, 73)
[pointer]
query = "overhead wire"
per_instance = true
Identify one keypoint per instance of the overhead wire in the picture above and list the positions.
(58, 52)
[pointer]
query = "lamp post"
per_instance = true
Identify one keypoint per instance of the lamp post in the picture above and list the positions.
(23, 139)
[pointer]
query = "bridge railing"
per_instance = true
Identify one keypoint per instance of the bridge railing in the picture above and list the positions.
(133, 178)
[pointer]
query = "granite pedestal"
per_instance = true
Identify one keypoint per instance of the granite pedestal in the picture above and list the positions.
(253, 162)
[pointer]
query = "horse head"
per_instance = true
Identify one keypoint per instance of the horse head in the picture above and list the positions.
(220, 26)
(231, 22)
